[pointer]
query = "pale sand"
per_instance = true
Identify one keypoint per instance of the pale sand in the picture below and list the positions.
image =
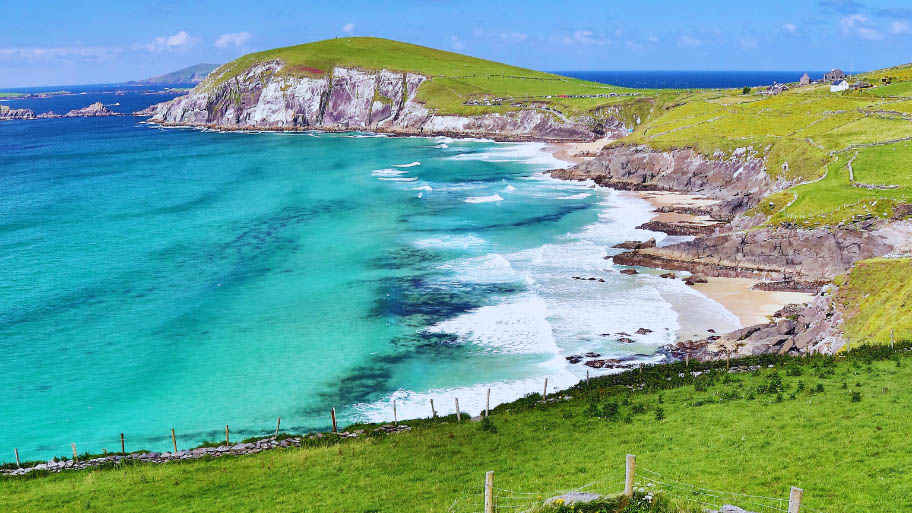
(659, 199)
(579, 152)
(749, 305)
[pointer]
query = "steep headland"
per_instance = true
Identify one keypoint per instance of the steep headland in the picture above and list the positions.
(381, 85)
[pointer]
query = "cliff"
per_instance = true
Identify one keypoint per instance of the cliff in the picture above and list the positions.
(347, 99)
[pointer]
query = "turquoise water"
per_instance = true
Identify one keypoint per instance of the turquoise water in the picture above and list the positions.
(167, 278)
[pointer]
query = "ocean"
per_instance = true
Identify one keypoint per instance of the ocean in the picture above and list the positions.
(178, 278)
(690, 79)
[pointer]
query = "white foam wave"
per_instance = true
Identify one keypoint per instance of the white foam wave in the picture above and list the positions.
(423, 188)
(441, 146)
(510, 188)
(529, 153)
(582, 195)
(484, 199)
(411, 164)
(399, 179)
(451, 241)
(387, 172)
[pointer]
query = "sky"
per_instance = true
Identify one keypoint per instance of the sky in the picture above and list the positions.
(106, 41)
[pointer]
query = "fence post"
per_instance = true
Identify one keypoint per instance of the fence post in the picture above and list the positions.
(74, 451)
(631, 473)
(433, 411)
(174, 439)
(122, 451)
(395, 415)
(226, 435)
(687, 360)
(489, 492)
(278, 422)
(17, 457)
(545, 390)
(795, 500)
(458, 414)
(488, 403)
(891, 338)
(333, 413)
(728, 360)
(587, 378)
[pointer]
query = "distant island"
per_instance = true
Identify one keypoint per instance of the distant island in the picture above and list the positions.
(190, 75)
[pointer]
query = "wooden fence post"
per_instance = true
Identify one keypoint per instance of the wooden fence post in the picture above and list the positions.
(226, 435)
(631, 473)
(891, 338)
(395, 415)
(587, 378)
(17, 457)
(489, 492)
(173, 439)
(333, 413)
(795, 500)
(545, 390)
(433, 411)
(728, 359)
(458, 413)
(278, 422)
(122, 451)
(687, 360)
(74, 451)
(641, 369)
(488, 403)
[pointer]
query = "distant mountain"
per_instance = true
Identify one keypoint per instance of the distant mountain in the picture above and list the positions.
(191, 75)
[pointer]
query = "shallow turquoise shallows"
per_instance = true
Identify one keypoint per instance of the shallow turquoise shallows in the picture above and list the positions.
(167, 278)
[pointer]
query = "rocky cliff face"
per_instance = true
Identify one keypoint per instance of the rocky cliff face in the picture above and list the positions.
(738, 181)
(96, 110)
(347, 99)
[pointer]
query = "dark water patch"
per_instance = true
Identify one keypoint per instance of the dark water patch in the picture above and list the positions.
(405, 257)
(423, 300)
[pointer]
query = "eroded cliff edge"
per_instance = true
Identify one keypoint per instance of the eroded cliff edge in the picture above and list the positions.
(262, 97)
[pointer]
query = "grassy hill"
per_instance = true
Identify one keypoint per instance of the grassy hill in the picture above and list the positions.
(854, 146)
(833, 426)
(456, 78)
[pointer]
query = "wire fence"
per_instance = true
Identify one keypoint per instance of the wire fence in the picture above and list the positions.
(643, 485)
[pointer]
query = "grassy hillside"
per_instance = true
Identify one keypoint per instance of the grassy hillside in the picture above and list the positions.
(876, 297)
(456, 78)
(806, 134)
(833, 426)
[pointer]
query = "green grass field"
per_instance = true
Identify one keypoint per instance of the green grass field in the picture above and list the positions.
(835, 426)
(875, 298)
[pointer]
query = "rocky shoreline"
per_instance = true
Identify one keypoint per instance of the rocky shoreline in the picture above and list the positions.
(727, 242)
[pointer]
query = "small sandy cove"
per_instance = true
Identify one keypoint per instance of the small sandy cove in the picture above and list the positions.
(749, 305)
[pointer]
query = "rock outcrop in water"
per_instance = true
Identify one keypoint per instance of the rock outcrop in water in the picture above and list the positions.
(349, 99)
(96, 110)
(6, 113)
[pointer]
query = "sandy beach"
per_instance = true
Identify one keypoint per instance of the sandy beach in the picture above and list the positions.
(749, 305)
(579, 152)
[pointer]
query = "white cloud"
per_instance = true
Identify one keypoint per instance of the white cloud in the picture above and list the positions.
(689, 41)
(456, 43)
(900, 27)
(859, 25)
(235, 39)
(747, 43)
(653, 39)
(506, 37)
(791, 28)
(348, 28)
(585, 37)
(179, 42)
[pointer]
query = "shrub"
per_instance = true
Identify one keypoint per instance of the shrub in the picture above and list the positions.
(856, 397)
(660, 414)
(487, 426)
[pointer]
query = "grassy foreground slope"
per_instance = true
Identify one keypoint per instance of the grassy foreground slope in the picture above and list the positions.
(456, 78)
(833, 426)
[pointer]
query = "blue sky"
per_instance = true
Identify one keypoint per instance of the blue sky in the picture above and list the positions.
(57, 43)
